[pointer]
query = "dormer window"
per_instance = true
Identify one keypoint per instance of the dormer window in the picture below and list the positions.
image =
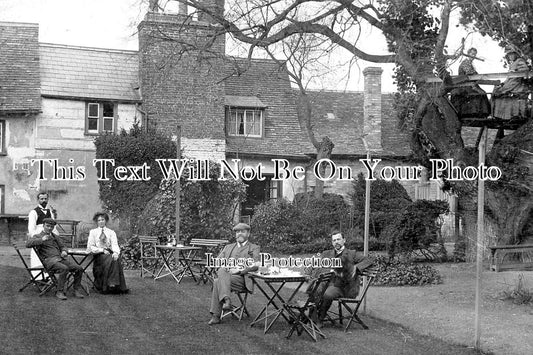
(245, 122)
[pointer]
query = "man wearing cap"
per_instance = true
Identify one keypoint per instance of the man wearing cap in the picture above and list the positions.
(35, 223)
(54, 256)
(232, 278)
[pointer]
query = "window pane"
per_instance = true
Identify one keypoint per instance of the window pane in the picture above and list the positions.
(1, 136)
(108, 124)
(257, 123)
(240, 122)
(93, 110)
(92, 124)
(250, 122)
(108, 109)
(231, 122)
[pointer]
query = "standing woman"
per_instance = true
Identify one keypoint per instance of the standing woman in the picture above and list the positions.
(107, 267)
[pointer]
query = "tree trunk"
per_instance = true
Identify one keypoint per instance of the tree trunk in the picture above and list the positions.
(323, 152)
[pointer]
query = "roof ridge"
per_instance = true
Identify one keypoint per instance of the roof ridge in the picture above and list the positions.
(95, 49)
(19, 24)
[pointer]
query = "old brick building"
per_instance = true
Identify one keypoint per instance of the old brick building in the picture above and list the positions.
(54, 102)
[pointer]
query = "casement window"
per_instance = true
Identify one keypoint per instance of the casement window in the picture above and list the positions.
(2, 199)
(2, 137)
(244, 122)
(101, 117)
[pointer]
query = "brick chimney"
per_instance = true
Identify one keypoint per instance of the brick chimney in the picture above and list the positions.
(372, 107)
(180, 64)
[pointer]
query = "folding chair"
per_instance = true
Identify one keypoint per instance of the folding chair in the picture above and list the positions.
(238, 311)
(148, 254)
(206, 273)
(351, 305)
(39, 276)
(301, 313)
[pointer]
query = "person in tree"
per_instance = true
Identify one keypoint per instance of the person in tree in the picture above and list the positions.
(509, 99)
(470, 100)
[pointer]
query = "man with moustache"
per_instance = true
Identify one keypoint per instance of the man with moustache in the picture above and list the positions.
(232, 278)
(35, 223)
(54, 256)
(345, 281)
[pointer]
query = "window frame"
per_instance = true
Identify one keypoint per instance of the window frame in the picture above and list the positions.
(3, 137)
(245, 124)
(100, 118)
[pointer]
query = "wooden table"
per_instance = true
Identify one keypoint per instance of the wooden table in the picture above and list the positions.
(85, 256)
(183, 267)
(499, 252)
(273, 308)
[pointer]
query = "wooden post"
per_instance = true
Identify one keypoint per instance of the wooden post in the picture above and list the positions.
(367, 224)
(479, 244)
(178, 183)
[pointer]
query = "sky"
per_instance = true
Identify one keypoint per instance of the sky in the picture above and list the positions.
(112, 24)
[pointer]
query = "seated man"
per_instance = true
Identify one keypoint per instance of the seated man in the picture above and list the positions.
(345, 281)
(232, 278)
(54, 256)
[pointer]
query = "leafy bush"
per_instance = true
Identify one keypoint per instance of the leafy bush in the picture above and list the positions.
(416, 228)
(207, 207)
(387, 201)
(394, 272)
(301, 226)
(519, 293)
(134, 148)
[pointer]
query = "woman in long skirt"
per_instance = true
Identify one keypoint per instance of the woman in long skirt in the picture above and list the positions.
(107, 267)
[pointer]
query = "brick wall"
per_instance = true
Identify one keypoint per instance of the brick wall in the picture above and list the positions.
(372, 107)
(180, 73)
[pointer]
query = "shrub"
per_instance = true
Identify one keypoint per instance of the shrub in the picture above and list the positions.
(207, 207)
(134, 148)
(387, 200)
(518, 294)
(415, 229)
(393, 272)
(275, 225)
(301, 226)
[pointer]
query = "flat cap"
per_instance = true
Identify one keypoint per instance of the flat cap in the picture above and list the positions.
(49, 221)
(241, 226)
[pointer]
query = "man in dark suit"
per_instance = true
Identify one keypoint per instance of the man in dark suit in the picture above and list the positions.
(345, 281)
(54, 255)
(232, 278)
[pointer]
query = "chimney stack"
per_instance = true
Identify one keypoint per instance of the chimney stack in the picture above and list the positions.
(372, 107)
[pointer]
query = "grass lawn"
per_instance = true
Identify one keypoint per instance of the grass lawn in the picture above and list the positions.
(165, 318)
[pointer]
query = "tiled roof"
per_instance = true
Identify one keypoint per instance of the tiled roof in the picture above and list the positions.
(269, 82)
(243, 101)
(83, 72)
(339, 115)
(19, 68)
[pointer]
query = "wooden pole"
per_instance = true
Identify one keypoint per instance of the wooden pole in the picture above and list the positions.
(479, 244)
(367, 224)
(178, 183)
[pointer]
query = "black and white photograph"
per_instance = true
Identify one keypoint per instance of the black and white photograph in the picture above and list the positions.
(266, 177)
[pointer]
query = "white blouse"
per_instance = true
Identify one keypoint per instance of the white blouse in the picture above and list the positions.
(95, 245)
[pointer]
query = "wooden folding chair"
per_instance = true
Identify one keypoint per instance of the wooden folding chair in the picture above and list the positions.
(38, 275)
(240, 310)
(301, 313)
(206, 273)
(351, 305)
(149, 258)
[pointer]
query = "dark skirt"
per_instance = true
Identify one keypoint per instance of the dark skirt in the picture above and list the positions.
(108, 274)
(471, 102)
